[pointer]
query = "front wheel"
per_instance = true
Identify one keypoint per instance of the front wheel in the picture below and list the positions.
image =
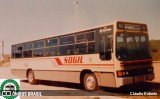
(31, 78)
(90, 82)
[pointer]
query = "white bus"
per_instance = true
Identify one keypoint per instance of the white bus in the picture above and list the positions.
(112, 55)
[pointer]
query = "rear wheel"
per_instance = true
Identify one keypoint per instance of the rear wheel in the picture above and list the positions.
(31, 77)
(90, 82)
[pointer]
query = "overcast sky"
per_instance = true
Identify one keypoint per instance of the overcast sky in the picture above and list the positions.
(25, 20)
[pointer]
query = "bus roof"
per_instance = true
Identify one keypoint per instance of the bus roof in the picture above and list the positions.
(79, 31)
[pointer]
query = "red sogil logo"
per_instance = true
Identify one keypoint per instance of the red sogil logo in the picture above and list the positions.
(76, 59)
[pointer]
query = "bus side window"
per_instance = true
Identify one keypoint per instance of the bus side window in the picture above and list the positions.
(51, 51)
(105, 48)
(70, 49)
(80, 48)
(18, 51)
(91, 47)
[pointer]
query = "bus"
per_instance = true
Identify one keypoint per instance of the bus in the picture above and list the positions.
(10, 87)
(111, 55)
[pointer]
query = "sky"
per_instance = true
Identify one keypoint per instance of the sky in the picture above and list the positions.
(26, 20)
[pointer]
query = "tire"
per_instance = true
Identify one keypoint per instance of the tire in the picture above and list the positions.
(31, 77)
(90, 82)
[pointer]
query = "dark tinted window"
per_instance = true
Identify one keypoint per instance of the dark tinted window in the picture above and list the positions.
(51, 42)
(91, 47)
(85, 48)
(85, 37)
(27, 53)
(51, 51)
(27, 50)
(81, 48)
(66, 40)
(90, 36)
(80, 38)
(38, 44)
(70, 39)
(66, 50)
(18, 51)
(38, 52)
(105, 48)
(28, 46)
(19, 47)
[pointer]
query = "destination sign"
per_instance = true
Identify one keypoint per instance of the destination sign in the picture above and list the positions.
(131, 26)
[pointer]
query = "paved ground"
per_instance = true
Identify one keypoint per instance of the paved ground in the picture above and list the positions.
(48, 85)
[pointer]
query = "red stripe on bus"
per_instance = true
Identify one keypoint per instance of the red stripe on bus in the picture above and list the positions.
(58, 61)
(89, 64)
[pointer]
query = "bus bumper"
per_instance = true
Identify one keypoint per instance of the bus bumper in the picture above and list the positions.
(136, 79)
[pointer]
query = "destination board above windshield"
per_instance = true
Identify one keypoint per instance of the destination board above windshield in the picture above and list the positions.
(131, 26)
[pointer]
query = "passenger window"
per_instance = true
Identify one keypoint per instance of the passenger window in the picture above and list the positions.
(51, 51)
(27, 46)
(51, 42)
(66, 40)
(66, 50)
(91, 47)
(18, 51)
(90, 36)
(27, 50)
(85, 37)
(38, 48)
(27, 53)
(81, 48)
(38, 52)
(39, 44)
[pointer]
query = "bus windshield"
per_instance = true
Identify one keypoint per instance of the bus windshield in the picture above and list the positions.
(132, 46)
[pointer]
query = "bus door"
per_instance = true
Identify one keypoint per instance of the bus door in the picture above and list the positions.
(105, 48)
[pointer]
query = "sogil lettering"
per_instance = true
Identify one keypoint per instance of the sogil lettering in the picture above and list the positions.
(73, 59)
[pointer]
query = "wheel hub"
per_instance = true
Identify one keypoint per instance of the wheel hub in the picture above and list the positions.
(90, 82)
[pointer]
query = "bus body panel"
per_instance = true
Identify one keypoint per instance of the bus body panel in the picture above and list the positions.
(98, 54)
(133, 80)
(47, 68)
